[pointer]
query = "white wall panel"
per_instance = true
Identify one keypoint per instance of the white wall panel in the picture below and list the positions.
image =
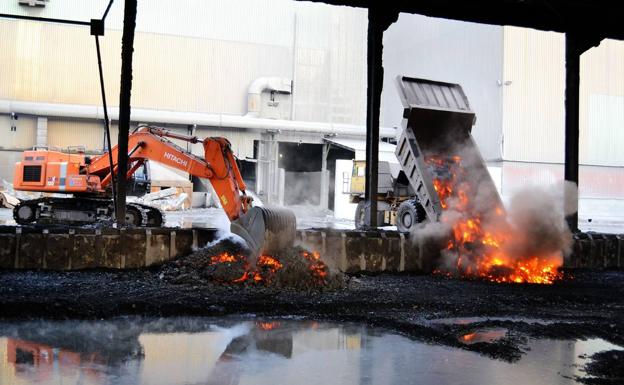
(533, 102)
(450, 51)
(602, 105)
(193, 55)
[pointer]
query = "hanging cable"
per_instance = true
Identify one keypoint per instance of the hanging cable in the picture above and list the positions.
(107, 125)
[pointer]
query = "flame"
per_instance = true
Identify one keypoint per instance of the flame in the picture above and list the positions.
(317, 267)
(227, 258)
(480, 252)
(267, 266)
(268, 325)
(468, 337)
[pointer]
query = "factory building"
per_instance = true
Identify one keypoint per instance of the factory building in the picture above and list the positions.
(274, 89)
(286, 83)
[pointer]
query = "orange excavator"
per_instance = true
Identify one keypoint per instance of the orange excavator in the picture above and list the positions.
(89, 180)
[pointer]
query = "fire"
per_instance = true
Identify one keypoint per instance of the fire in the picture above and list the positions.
(267, 267)
(480, 250)
(270, 325)
(317, 267)
(468, 337)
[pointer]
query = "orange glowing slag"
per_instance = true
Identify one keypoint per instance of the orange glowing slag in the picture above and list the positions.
(468, 337)
(318, 269)
(267, 266)
(268, 325)
(480, 252)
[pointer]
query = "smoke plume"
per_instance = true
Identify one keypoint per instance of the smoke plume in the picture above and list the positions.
(526, 243)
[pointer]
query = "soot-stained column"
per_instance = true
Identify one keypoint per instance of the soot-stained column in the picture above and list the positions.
(576, 44)
(378, 20)
(127, 49)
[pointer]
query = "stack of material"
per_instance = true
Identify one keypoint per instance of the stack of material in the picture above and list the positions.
(169, 199)
(7, 195)
(225, 263)
(170, 190)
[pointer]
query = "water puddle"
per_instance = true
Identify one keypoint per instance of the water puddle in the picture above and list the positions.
(249, 351)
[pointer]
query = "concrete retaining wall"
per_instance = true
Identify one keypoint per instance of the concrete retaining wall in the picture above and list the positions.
(391, 251)
(78, 248)
(353, 251)
(592, 250)
(347, 250)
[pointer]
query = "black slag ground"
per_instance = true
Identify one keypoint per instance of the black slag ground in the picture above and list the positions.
(591, 304)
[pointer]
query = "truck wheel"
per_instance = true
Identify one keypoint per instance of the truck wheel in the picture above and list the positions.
(360, 215)
(409, 214)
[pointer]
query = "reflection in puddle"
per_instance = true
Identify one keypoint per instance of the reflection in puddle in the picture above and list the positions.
(483, 335)
(209, 351)
(472, 320)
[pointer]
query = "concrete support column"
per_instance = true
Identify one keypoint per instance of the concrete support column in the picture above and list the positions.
(267, 172)
(575, 45)
(379, 19)
(42, 131)
(324, 201)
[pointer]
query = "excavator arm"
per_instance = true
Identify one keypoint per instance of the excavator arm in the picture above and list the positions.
(218, 165)
(265, 230)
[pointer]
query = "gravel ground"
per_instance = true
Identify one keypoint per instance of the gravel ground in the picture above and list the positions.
(590, 305)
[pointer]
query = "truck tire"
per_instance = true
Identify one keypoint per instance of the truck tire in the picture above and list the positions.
(409, 214)
(360, 216)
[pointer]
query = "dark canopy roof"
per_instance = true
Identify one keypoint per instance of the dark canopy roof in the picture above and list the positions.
(596, 18)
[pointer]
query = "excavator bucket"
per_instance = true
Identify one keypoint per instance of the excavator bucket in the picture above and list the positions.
(266, 230)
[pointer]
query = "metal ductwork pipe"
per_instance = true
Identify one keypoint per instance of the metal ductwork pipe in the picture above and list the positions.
(185, 118)
(260, 85)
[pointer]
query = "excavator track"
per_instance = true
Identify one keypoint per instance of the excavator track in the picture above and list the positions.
(82, 211)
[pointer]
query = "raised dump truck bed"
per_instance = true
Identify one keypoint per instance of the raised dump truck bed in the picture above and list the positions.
(437, 124)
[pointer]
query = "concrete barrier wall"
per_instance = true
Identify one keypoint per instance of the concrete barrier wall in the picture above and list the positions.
(347, 250)
(593, 250)
(353, 251)
(391, 251)
(78, 248)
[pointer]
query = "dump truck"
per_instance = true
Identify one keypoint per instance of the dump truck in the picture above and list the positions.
(393, 192)
(437, 125)
(89, 180)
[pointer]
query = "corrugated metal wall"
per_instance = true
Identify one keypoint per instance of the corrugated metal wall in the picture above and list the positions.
(602, 104)
(23, 137)
(451, 51)
(242, 140)
(63, 133)
(330, 64)
(533, 104)
(199, 57)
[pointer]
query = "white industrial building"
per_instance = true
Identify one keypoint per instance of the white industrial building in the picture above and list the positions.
(280, 77)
